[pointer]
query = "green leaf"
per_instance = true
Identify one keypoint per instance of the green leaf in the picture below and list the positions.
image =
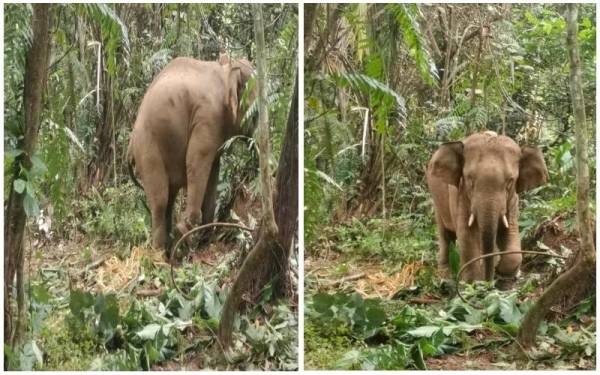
(349, 360)
(38, 168)
(417, 356)
(78, 301)
(322, 303)
(375, 317)
(509, 311)
(19, 185)
(425, 331)
(30, 356)
(148, 332)
(108, 308)
(40, 294)
(212, 304)
(30, 205)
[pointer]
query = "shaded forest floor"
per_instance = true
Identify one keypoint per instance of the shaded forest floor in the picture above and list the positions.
(374, 301)
(105, 306)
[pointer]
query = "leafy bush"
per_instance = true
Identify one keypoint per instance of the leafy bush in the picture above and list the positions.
(407, 337)
(400, 238)
(115, 214)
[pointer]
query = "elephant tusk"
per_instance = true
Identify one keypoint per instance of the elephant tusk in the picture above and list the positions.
(505, 221)
(471, 220)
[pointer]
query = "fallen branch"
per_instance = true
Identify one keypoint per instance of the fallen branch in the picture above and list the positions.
(423, 301)
(194, 230)
(91, 266)
(345, 279)
(149, 292)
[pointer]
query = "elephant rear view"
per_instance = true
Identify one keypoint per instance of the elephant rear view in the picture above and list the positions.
(191, 108)
(475, 185)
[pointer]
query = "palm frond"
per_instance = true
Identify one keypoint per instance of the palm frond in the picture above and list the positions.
(107, 17)
(406, 16)
(371, 86)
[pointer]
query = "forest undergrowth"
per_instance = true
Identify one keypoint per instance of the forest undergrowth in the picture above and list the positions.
(110, 305)
(374, 300)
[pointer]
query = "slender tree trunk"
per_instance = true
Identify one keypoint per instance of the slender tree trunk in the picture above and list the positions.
(260, 260)
(286, 200)
(35, 81)
(585, 264)
(310, 12)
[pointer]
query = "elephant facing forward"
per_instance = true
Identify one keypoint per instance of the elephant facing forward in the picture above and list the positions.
(191, 108)
(475, 185)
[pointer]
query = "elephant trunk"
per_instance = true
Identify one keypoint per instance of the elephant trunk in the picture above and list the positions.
(488, 219)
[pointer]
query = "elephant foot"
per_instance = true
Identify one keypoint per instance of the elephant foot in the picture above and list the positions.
(507, 282)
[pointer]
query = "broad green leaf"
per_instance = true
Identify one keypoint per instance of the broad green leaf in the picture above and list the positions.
(509, 311)
(30, 205)
(425, 331)
(79, 301)
(322, 303)
(349, 360)
(108, 308)
(149, 332)
(19, 185)
(417, 355)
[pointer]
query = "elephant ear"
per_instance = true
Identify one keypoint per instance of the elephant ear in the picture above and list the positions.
(224, 59)
(447, 162)
(532, 169)
(234, 81)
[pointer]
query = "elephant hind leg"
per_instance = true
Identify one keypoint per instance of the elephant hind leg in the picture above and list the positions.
(210, 196)
(170, 206)
(201, 152)
(156, 186)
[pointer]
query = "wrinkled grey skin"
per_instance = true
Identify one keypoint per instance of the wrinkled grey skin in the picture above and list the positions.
(191, 108)
(482, 176)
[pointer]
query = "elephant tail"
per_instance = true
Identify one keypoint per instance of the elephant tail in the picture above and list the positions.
(130, 166)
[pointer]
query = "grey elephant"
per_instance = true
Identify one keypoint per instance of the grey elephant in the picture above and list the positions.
(191, 108)
(475, 185)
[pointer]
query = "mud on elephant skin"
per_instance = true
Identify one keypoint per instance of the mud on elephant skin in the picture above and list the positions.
(475, 185)
(191, 108)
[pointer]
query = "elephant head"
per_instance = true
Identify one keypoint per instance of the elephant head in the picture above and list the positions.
(238, 74)
(490, 170)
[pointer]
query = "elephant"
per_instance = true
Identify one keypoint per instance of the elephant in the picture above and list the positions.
(475, 184)
(190, 109)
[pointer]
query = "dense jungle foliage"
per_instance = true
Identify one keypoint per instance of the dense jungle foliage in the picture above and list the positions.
(97, 297)
(385, 85)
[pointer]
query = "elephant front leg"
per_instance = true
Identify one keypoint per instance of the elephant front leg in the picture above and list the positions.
(509, 264)
(445, 238)
(469, 249)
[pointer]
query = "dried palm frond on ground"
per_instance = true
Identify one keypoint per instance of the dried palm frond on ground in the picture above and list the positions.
(115, 274)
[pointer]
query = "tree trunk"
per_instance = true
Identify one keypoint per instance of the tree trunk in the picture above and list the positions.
(585, 265)
(35, 81)
(286, 200)
(260, 260)
(310, 12)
